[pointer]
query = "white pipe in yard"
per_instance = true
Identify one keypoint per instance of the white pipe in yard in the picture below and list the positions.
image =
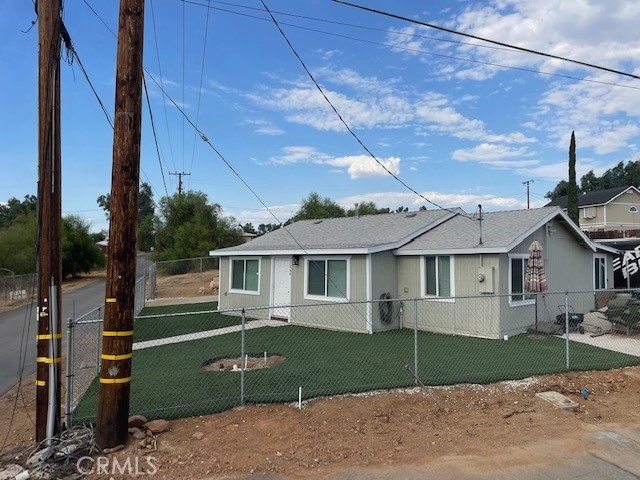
(299, 398)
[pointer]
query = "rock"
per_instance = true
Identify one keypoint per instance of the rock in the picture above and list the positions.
(136, 421)
(198, 435)
(137, 433)
(157, 426)
(11, 471)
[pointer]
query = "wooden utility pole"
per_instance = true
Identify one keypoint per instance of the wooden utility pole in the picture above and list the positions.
(527, 183)
(117, 335)
(49, 222)
(180, 175)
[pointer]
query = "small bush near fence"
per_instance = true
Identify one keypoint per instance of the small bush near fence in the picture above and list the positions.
(171, 352)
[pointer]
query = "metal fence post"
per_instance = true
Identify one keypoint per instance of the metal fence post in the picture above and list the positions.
(69, 378)
(566, 324)
(415, 339)
(242, 363)
(98, 346)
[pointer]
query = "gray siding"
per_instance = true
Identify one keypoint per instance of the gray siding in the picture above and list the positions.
(234, 300)
(384, 280)
(329, 314)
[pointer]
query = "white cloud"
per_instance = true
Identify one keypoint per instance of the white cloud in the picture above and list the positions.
(358, 166)
(498, 156)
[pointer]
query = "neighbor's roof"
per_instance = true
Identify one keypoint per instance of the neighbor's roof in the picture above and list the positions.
(501, 232)
(347, 235)
(599, 197)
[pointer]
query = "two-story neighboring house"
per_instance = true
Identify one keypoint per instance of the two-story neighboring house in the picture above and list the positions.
(613, 209)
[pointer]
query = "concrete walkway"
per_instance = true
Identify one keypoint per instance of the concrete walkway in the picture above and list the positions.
(615, 342)
(208, 333)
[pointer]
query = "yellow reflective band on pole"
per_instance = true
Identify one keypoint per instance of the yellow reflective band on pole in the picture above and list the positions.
(48, 336)
(124, 356)
(40, 383)
(48, 360)
(115, 380)
(113, 333)
(43, 314)
(110, 300)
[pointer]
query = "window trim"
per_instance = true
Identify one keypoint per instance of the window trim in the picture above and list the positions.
(423, 272)
(325, 258)
(525, 301)
(599, 256)
(633, 209)
(244, 275)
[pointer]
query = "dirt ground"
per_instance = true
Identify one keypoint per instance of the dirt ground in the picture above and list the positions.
(481, 429)
(188, 285)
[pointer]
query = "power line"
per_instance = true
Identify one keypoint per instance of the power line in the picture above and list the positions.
(349, 129)
(494, 42)
(164, 104)
(204, 56)
(407, 49)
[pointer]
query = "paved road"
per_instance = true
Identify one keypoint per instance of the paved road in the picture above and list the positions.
(18, 328)
(18, 331)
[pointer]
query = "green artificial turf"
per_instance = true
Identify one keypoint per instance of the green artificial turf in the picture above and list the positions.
(168, 380)
(152, 323)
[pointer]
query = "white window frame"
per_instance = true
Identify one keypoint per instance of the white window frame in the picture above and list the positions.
(325, 298)
(244, 275)
(633, 209)
(525, 301)
(423, 283)
(603, 259)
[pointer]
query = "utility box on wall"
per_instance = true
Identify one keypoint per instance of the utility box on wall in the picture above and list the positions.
(485, 280)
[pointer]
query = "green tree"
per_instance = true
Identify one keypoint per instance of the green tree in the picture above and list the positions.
(316, 207)
(188, 226)
(248, 228)
(79, 251)
(18, 244)
(572, 188)
(589, 182)
(146, 212)
(267, 227)
(366, 208)
(559, 191)
(15, 209)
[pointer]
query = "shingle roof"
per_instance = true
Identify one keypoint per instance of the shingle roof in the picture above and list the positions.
(364, 234)
(501, 232)
(599, 197)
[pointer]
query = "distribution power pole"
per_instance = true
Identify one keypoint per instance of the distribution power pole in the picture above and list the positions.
(49, 222)
(180, 175)
(527, 182)
(117, 335)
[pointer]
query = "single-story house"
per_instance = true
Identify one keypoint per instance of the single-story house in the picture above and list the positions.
(611, 209)
(332, 273)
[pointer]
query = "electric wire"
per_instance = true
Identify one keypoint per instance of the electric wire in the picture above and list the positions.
(155, 136)
(346, 125)
(204, 56)
(414, 50)
(164, 103)
(494, 42)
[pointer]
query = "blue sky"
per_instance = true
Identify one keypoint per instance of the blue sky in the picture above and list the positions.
(461, 122)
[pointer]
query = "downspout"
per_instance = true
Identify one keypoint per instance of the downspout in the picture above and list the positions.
(368, 282)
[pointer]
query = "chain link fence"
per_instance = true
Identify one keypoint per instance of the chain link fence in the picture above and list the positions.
(194, 359)
(84, 347)
(16, 287)
(179, 267)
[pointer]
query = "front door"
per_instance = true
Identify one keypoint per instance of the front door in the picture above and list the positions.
(281, 290)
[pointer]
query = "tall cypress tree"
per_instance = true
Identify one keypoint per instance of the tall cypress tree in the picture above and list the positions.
(572, 187)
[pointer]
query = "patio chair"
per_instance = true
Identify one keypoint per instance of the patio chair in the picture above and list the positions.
(623, 311)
